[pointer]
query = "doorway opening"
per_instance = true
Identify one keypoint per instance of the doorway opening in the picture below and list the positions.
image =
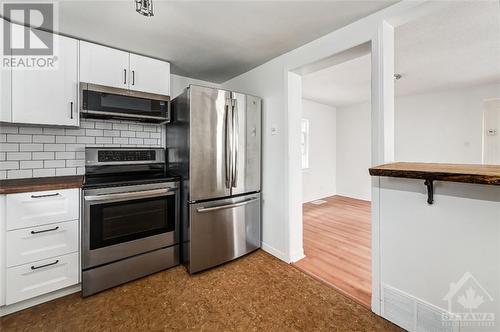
(336, 155)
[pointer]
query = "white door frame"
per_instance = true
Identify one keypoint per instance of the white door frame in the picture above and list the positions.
(378, 30)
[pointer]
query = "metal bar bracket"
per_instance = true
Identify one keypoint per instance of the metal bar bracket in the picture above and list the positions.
(429, 183)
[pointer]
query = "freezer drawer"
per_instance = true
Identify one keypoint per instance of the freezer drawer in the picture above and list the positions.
(223, 230)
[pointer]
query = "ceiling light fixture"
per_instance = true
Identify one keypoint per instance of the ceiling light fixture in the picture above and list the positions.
(144, 7)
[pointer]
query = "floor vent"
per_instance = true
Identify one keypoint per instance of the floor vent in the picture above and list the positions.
(411, 313)
(318, 202)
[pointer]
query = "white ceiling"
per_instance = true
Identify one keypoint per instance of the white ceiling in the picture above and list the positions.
(458, 46)
(210, 40)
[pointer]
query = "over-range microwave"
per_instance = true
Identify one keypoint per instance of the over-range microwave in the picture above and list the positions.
(104, 102)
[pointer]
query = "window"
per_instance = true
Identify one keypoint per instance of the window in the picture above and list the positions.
(304, 142)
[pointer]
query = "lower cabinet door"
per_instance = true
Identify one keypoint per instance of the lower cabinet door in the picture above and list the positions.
(41, 277)
(35, 243)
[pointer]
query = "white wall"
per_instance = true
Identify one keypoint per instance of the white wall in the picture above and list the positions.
(179, 83)
(425, 248)
(443, 126)
(354, 151)
(318, 180)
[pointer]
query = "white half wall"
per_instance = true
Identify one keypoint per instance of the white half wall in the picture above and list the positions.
(354, 151)
(443, 127)
(318, 180)
(179, 83)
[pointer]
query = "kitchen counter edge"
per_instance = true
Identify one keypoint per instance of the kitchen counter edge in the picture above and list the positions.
(12, 186)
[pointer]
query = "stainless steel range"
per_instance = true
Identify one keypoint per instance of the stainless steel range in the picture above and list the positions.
(130, 216)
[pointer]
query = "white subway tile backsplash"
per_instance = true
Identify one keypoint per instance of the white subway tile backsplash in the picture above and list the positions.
(120, 140)
(31, 164)
(6, 129)
(44, 172)
(65, 171)
(30, 147)
(112, 133)
(127, 133)
(48, 151)
(53, 131)
(65, 155)
(65, 139)
(42, 155)
(30, 130)
(18, 155)
(75, 132)
(9, 147)
(5, 165)
(53, 147)
(15, 138)
(104, 140)
(75, 163)
(44, 139)
(54, 163)
(75, 147)
(17, 174)
(103, 125)
(87, 124)
(85, 140)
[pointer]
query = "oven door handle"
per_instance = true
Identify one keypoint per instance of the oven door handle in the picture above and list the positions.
(130, 195)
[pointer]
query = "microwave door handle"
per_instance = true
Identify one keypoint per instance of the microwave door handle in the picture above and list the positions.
(129, 195)
(236, 126)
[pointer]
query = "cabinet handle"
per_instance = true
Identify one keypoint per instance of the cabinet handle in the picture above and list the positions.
(71, 110)
(42, 196)
(45, 230)
(133, 77)
(124, 76)
(33, 267)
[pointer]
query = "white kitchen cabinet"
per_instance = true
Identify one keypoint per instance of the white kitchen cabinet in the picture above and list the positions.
(49, 96)
(41, 208)
(104, 65)
(149, 75)
(5, 85)
(41, 277)
(40, 242)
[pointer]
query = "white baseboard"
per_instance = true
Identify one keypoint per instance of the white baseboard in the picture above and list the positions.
(355, 196)
(297, 256)
(8, 309)
(275, 252)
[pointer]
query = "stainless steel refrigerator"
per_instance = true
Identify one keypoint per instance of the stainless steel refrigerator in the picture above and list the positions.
(214, 143)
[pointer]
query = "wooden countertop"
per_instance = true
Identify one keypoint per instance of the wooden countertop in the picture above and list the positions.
(40, 184)
(466, 173)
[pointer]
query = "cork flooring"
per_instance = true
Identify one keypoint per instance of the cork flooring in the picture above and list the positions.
(256, 292)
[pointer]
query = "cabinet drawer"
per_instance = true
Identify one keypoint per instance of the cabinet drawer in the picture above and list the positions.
(41, 242)
(45, 276)
(41, 208)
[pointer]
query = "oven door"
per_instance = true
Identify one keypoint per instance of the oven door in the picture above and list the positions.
(120, 222)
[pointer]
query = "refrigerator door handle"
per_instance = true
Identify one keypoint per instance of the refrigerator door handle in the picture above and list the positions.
(236, 125)
(227, 206)
(228, 144)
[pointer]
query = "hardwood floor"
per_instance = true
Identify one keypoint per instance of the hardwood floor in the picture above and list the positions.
(337, 245)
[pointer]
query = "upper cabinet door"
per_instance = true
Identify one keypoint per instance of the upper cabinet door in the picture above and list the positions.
(149, 75)
(5, 85)
(104, 65)
(48, 96)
